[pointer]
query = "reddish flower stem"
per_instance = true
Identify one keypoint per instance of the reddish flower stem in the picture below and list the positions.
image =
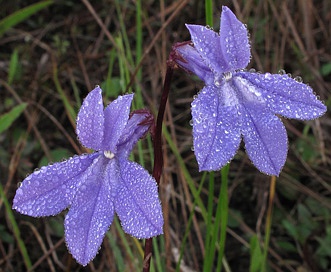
(158, 156)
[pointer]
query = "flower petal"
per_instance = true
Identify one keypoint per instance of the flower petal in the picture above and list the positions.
(265, 138)
(286, 96)
(191, 60)
(90, 120)
(51, 189)
(137, 203)
(116, 117)
(136, 128)
(207, 43)
(234, 40)
(216, 134)
(92, 210)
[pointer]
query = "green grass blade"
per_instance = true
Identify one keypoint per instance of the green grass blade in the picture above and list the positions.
(222, 213)
(8, 118)
(21, 15)
(16, 230)
(210, 241)
(71, 113)
(118, 257)
(256, 254)
(186, 173)
(189, 222)
(13, 65)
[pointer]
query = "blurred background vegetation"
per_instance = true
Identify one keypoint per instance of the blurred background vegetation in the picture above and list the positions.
(53, 53)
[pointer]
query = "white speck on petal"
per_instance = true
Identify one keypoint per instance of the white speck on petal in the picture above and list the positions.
(109, 154)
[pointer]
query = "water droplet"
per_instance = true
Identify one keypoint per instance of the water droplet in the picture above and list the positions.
(252, 70)
(298, 79)
(191, 122)
(282, 72)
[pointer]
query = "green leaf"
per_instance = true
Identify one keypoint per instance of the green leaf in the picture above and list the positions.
(57, 155)
(256, 254)
(291, 229)
(13, 67)
(21, 15)
(8, 118)
(287, 246)
(326, 69)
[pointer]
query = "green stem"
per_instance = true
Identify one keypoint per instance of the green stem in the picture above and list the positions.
(209, 12)
(268, 223)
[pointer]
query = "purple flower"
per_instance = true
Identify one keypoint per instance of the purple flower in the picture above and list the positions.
(97, 185)
(236, 103)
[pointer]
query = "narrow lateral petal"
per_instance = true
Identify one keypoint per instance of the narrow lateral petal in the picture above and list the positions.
(116, 117)
(90, 120)
(207, 43)
(51, 189)
(92, 211)
(234, 40)
(265, 139)
(192, 62)
(136, 128)
(286, 96)
(137, 203)
(216, 133)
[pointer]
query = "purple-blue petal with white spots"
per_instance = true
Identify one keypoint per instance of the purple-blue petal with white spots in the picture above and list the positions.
(136, 128)
(137, 203)
(90, 120)
(286, 96)
(116, 117)
(265, 138)
(207, 43)
(92, 210)
(234, 40)
(216, 127)
(51, 189)
(194, 63)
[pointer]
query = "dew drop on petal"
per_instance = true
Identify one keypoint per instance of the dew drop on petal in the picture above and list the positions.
(282, 72)
(298, 79)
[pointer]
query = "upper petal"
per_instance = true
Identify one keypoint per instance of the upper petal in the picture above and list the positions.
(92, 210)
(265, 138)
(137, 203)
(90, 120)
(191, 60)
(51, 189)
(116, 118)
(286, 96)
(207, 42)
(136, 128)
(234, 40)
(216, 133)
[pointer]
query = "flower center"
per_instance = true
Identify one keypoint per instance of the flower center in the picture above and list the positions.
(109, 154)
(227, 76)
(223, 77)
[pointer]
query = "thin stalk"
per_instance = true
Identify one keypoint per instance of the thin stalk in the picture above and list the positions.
(10, 215)
(209, 12)
(158, 156)
(268, 223)
(210, 243)
(224, 213)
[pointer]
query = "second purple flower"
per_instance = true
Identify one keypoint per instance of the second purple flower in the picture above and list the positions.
(236, 103)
